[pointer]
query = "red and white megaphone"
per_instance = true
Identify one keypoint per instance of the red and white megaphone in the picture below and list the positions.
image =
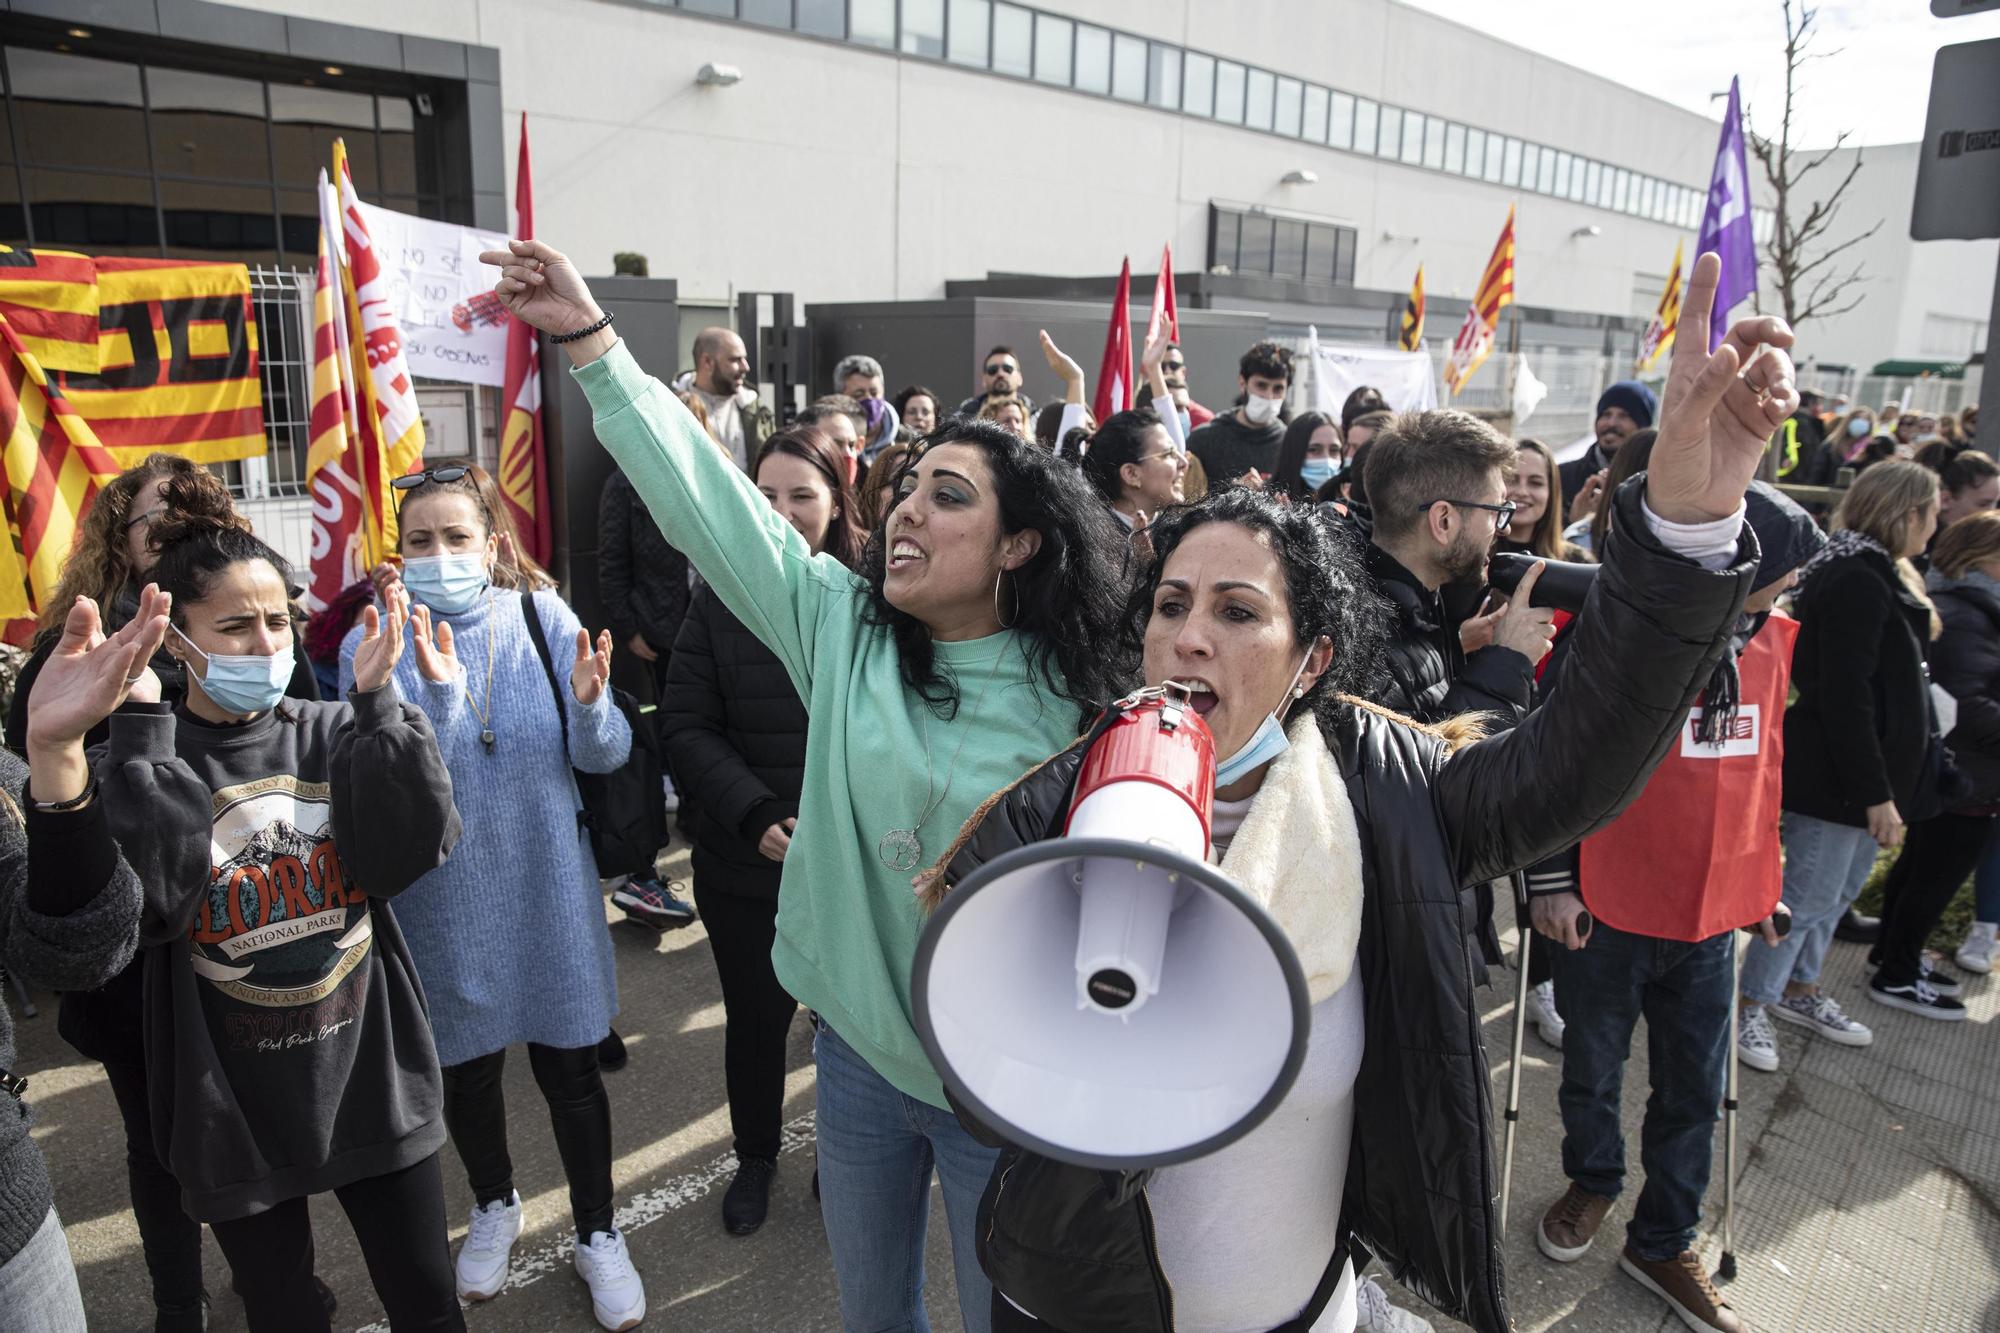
(1108, 998)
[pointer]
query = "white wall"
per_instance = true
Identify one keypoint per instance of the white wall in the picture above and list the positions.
(841, 173)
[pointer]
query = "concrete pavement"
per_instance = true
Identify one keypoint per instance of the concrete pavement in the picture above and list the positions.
(1869, 1197)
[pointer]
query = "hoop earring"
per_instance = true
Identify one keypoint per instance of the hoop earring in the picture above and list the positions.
(1004, 622)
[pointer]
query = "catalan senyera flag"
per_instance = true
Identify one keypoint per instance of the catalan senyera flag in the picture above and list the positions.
(524, 475)
(1496, 291)
(1412, 337)
(339, 537)
(388, 425)
(1659, 337)
(103, 361)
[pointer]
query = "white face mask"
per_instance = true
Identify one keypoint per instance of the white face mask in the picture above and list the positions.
(1260, 410)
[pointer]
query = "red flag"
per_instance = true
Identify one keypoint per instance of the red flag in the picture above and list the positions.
(1164, 307)
(524, 474)
(1114, 374)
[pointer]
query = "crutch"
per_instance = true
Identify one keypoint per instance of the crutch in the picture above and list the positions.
(1526, 932)
(1726, 1270)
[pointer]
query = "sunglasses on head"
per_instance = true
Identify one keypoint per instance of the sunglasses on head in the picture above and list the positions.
(443, 475)
(1000, 368)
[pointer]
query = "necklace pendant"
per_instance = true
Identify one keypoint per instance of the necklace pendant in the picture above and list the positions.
(900, 849)
(486, 739)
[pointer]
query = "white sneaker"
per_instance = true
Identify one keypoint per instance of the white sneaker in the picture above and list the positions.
(1542, 1013)
(616, 1296)
(482, 1260)
(1822, 1013)
(1374, 1314)
(1756, 1043)
(1976, 954)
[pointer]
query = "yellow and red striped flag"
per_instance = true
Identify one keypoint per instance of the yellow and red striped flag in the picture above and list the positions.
(1413, 315)
(1659, 337)
(524, 477)
(103, 361)
(339, 536)
(388, 425)
(1496, 291)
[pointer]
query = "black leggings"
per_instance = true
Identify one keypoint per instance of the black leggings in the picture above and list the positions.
(475, 1111)
(1937, 856)
(171, 1239)
(398, 1219)
(756, 1009)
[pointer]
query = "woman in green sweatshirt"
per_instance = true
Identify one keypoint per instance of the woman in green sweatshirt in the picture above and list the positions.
(968, 647)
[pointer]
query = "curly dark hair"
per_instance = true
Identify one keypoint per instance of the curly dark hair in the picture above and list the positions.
(194, 548)
(1325, 582)
(1067, 595)
(1120, 440)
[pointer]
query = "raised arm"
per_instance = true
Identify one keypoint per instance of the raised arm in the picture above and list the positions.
(1656, 621)
(706, 507)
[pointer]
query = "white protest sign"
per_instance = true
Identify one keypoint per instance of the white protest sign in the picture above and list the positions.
(453, 328)
(1406, 379)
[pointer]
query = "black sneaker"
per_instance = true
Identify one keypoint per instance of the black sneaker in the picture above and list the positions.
(1917, 997)
(611, 1052)
(749, 1196)
(1858, 929)
(1941, 981)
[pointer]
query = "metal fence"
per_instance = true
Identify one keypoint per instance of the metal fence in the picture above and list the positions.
(1924, 393)
(459, 419)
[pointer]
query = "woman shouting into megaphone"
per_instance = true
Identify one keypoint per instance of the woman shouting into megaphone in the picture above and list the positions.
(1356, 830)
(968, 646)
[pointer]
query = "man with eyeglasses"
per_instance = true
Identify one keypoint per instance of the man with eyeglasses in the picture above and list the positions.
(1174, 368)
(1437, 483)
(1002, 376)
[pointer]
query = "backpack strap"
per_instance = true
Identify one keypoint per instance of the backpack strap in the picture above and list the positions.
(536, 637)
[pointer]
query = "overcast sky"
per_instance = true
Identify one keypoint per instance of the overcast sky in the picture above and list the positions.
(1877, 86)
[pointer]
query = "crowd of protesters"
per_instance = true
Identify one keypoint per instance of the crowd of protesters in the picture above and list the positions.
(318, 878)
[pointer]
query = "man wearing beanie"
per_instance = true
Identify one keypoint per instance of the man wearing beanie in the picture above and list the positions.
(1669, 883)
(1625, 409)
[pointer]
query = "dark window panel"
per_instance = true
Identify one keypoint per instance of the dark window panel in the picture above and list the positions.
(76, 111)
(1320, 246)
(1288, 249)
(1228, 236)
(726, 8)
(1256, 245)
(208, 125)
(1343, 271)
(96, 213)
(298, 226)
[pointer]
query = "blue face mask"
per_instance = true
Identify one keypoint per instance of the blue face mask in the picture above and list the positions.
(1858, 428)
(1265, 744)
(1317, 472)
(447, 583)
(243, 683)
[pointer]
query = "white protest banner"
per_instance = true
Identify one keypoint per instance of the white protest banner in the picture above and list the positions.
(1406, 379)
(453, 327)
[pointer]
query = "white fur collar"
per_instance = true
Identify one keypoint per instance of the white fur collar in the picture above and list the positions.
(1298, 854)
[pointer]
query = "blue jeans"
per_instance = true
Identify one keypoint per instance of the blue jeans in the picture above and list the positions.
(1986, 880)
(1684, 990)
(1825, 866)
(877, 1148)
(38, 1288)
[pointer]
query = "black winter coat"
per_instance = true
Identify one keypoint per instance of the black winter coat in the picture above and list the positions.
(1858, 732)
(1966, 662)
(1430, 678)
(736, 732)
(1074, 1246)
(644, 581)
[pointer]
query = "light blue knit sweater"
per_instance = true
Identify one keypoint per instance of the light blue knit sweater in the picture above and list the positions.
(508, 934)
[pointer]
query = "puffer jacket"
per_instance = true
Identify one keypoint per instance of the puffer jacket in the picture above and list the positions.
(1966, 662)
(1075, 1245)
(736, 732)
(1429, 676)
(643, 579)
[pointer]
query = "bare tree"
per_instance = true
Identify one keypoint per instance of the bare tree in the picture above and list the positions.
(1809, 280)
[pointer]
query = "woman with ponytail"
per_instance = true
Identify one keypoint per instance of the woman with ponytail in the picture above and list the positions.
(286, 1041)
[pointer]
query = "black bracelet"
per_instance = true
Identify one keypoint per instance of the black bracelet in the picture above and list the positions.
(598, 327)
(76, 802)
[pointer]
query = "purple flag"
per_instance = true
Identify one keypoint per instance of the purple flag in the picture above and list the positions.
(1726, 223)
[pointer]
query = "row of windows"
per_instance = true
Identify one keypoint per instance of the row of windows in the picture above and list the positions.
(1026, 43)
(1280, 247)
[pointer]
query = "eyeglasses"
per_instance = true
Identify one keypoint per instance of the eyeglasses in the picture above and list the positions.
(1174, 454)
(147, 518)
(442, 475)
(1504, 510)
(1173, 365)
(1000, 368)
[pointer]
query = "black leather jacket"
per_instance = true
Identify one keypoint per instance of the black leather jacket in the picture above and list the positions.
(1075, 1246)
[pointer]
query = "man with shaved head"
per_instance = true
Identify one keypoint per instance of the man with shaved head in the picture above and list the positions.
(737, 418)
